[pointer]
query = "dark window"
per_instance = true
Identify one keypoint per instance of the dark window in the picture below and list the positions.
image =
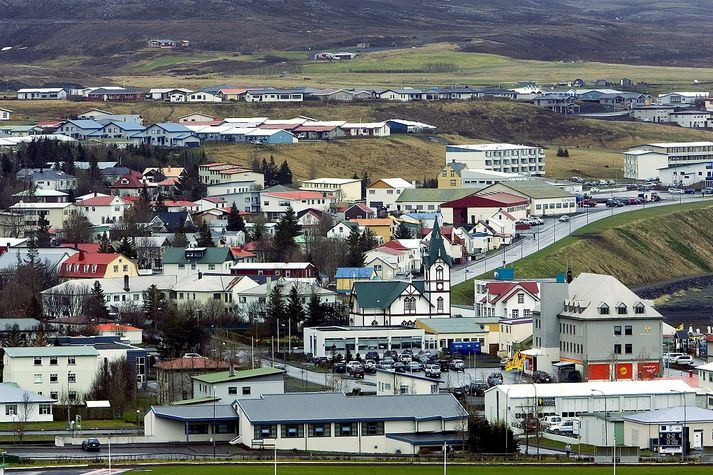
(617, 349)
(197, 429)
(246, 390)
(617, 330)
(604, 310)
(345, 429)
(225, 428)
(265, 431)
(232, 390)
(639, 309)
(319, 430)
(627, 330)
(629, 348)
(291, 431)
(621, 310)
(372, 428)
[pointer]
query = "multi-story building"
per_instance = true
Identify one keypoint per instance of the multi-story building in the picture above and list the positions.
(104, 209)
(645, 161)
(219, 172)
(598, 326)
(28, 215)
(500, 157)
(275, 204)
(343, 189)
(383, 193)
(506, 298)
(182, 262)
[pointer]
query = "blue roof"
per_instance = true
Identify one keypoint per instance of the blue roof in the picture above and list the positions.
(173, 127)
(86, 124)
(354, 273)
(129, 126)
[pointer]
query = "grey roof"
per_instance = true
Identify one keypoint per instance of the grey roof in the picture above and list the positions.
(211, 255)
(50, 257)
(223, 412)
(429, 438)
(12, 393)
(537, 189)
(381, 293)
(115, 285)
(673, 415)
(454, 325)
(32, 351)
(329, 407)
(23, 324)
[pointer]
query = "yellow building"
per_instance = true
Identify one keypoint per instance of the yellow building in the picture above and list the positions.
(346, 276)
(449, 177)
(383, 228)
(90, 265)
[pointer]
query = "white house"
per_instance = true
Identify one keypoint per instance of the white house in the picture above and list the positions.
(41, 93)
(168, 134)
(343, 189)
(275, 204)
(383, 193)
(228, 386)
(343, 229)
(24, 405)
(393, 383)
(274, 95)
(693, 119)
(132, 335)
(5, 114)
(506, 299)
(680, 98)
(371, 129)
(79, 129)
(513, 331)
(104, 209)
(645, 161)
(201, 96)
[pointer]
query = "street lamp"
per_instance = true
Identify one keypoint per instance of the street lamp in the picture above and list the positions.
(213, 422)
(606, 427)
(683, 428)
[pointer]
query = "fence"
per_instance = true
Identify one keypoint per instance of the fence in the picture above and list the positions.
(603, 455)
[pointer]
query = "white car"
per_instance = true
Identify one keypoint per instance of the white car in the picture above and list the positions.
(353, 365)
(564, 219)
(675, 191)
(686, 360)
(535, 220)
(671, 357)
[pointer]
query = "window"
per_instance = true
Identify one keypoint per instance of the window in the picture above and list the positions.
(72, 395)
(617, 349)
(227, 428)
(439, 305)
(345, 429)
(292, 431)
(232, 390)
(319, 430)
(410, 305)
(53, 361)
(72, 377)
(628, 348)
(45, 409)
(38, 378)
(265, 431)
(246, 390)
(621, 309)
(515, 313)
(71, 360)
(520, 298)
(116, 268)
(54, 395)
(638, 309)
(53, 378)
(38, 361)
(617, 330)
(10, 409)
(604, 309)
(627, 330)
(372, 428)
(197, 429)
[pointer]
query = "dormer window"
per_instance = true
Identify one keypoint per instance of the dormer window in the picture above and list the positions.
(639, 308)
(621, 309)
(604, 309)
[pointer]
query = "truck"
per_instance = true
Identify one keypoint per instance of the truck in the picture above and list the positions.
(464, 347)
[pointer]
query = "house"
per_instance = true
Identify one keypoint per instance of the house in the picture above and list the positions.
(275, 204)
(513, 335)
(233, 94)
(428, 199)
(450, 175)
(166, 94)
(168, 134)
(197, 118)
(383, 193)
(343, 229)
(705, 372)
(645, 161)
(174, 378)
(343, 189)
(382, 228)
(228, 386)
(387, 262)
(334, 422)
(55, 372)
(366, 129)
(115, 94)
(41, 93)
(501, 157)
(55, 213)
(51, 180)
(5, 114)
(128, 333)
(403, 95)
(346, 276)
(319, 130)
(679, 98)
(52, 258)
(400, 302)
(18, 131)
(270, 137)
(29, 406)
(188, 261)
(359, 211)
(400, 126)
(275, 270)
(691, 119)
(224, 173)
(445, 331)
(117, 129)
(104, 209)
(256, 297)
(79, 129)
(84, 265)
(191, 423)
(545, 199)
(171, 221)
(104, 116)
(201, 289)
(26, 330)
(203, 96)
(478, 207)
(652, 430)
(393, 383)
(479, 179)
(337, 340)
(156, 43)
(274, 95)
(131, 184)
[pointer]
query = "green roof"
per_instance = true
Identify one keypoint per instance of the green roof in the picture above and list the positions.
(436, 195)
(32, 351)
(211, 255)
(196, 400)
(436, 248)
(537, 189)
(224, 376)
(382, 293)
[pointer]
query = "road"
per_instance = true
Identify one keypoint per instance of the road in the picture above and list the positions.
(553, 231)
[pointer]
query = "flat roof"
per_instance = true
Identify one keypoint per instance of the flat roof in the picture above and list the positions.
(594, 388)
(225, 376)
(486, 147)
(32, 351)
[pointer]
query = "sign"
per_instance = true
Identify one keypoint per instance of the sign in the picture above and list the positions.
(624, 371)
(670, 438)
(546, 401)
(598, 371)
(648, 370)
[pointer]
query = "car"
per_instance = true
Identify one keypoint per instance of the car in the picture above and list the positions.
(445, 365)
(372, 355)
(550, 421)
(685, 360)
(541, 377)
(564, 219)
(405, 358)
(632, 187)
(399, 367)
(387, 366)
(671, 357)
(432, 370)
(495, 379)
(91, 445)
(477, 388)
(369, 366)
(568, 427)
(339, 368)
(632, 201)
(614, 203)
(356, 371)
(535, 221)
(588, 203)
(689, 191)
(458, 392)
(414, 366)
(353, 364)
(675, 191)
(708, 190)
(423, 359)
(457, 365)
(393, 354)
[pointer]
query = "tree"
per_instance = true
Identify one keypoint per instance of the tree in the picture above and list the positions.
(24, 412)
(94, 175)
(295, 309)
(315, 311)
(181, 332)
(205, 238)
(154, 305)
(235, 221)
(285, 232)
(284, 174)
(355, 256)
(484, 437)
(42, 234)
(179, 238)
(160, 204)
(77, 229)
(34, 308)
(275, 310)
(368, 240)
(116, 382)
(95, 304)
(259, 232)
(269, 171)
(403, 231)
(365, 182)
(126, 248)
(105, 245)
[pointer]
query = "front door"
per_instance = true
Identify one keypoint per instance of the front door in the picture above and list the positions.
(698, 439)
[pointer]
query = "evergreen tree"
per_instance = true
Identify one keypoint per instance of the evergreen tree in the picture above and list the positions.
(43, 232)
(315, 311)
(160, 204)
(205, 238)
(367, 240)
(403, 231)
(34, 308)
(235, 221)
(126, 248)
(285, 232)
(94, 174)
(294, 309)
(258, 232)
(269, 171)
(105, 245)
(355, 256)
(179, 238)
(154, 305)
(95, 304)
(565, 153)
(364, 183)
(284, 174)
(560, 152)
(32, 259)
(275, 310)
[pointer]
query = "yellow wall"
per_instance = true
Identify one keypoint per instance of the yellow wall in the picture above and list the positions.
(445, 181)
(383, 232)
(121, 261)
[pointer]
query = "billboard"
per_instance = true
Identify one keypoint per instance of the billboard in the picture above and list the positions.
(597, 371)
(648, 370)
(624, 371)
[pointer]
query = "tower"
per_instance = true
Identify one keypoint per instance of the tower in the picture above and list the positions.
(437, 274)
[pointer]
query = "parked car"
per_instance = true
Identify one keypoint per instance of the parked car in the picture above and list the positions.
(370, 366)
(339, 368)
(588, 203)
(632, 187)
(477, 388)
(445, 365)
(689, 191)
(675, 191)
(568, 427)
(671, 357)
(372, 355)
(393, 354)
(356, 371)
(457, 365)
(414, 366)
(550, 421)
(564, 218)
(91, 445)
(633, 201)
(541, 377)
(432, 370)
(708, 190)
(494, 379)
(399, 367)
(459, 393)
(614, 203)
(405, 358)
(535, 221)
(353, 364)
(685, 360)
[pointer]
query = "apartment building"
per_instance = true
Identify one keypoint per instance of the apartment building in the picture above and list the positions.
(499, 157)
(646, 161)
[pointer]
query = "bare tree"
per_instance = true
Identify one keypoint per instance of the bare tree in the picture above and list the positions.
(22, 417)
(77, 229)
(66, 301)
(131, 314)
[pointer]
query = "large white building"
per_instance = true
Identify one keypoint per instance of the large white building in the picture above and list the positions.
(499, 157)
(227, 386)
(687, 174)
(646, 161)
(24, 405)
(323, 341)
(343, 189)
(383, 193)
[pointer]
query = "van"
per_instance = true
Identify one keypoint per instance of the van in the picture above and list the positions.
(568, 427)
(549, 421)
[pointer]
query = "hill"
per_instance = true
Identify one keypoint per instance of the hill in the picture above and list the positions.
(637, 248)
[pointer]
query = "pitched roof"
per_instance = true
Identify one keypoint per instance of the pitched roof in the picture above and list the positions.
(225, 376)
(489, 200)
(436, 248)
(688, 414)
(372, 222)
(181, 364)
(196, 413)
(394, 183)
(12, 393)
(436, 195)
(81, 259)
(100, 201)
(210, 255)
(382, 293)
(537, 189)
(354, 273)
(588, 292)
(499, 290)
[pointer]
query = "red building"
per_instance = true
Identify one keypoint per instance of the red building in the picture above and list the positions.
(299, 270)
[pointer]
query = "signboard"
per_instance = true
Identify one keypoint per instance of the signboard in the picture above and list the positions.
(648, 370)
(546, 401)
(597, 371)
(670, 438)
(465, 347)
(624, 371)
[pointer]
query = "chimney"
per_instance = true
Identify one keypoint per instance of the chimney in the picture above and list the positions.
(126, 283)
(81, 255)
(200, 275)
(569, 274)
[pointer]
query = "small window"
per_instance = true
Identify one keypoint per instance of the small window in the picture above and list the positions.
(345, 429)
(38, 361)
(621, 309)
(71, 360)
(53, 395)
(10, 409)
(72, 395)
(639, 309)
(617, 349)
(372, 428)
(38, 378)
(53, 361)
(53, 378)
(319, 430)
(627, 330)
(72, 377)
(617, 330)
(45, 409)
(246, 390)
(628, 348)
(604, 309)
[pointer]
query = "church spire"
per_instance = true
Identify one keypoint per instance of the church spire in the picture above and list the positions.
(437, 248)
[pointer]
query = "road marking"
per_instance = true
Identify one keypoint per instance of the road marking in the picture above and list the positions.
(105, 471)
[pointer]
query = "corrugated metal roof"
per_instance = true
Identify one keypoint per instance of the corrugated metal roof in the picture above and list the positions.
(207, 412)
(452, 325)
(673, 415)
(32, 351)
(225, 376)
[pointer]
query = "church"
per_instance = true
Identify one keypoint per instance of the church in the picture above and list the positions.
(402, 302)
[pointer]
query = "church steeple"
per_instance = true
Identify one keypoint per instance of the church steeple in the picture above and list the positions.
(437, 265)
(436, 248)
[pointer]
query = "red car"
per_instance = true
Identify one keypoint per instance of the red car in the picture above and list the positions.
(588, 203)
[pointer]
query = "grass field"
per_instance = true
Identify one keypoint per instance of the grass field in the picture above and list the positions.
(638, 247)
(359, 469)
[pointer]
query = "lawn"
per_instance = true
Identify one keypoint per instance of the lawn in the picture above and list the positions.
(391, 469)
(299, 385)
(61, 425)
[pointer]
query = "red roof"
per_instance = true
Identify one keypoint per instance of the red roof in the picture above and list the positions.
(99, 201)
(133, 180)
(500, 290)
(289, 126)
(241, 252)
(258, 246)
(84, 265)
(233, 90)
(214, 199)
(169, 182)
(213, 164)
(191, 363)
(176, 204)
(488, 200)
(49, 123)
(396, 245)
(86, 247)
(112, 327)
